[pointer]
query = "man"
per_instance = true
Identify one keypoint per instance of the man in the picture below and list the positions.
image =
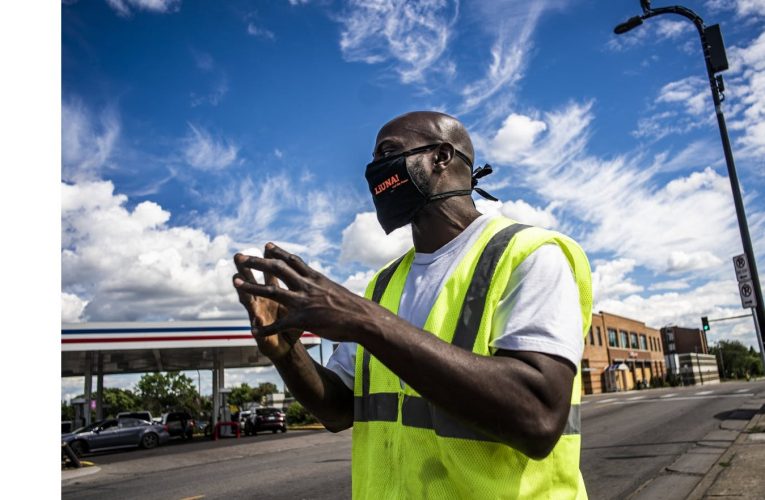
(462, 382)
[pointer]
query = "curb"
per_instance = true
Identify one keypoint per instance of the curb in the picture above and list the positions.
(70, 475)
(693, 472)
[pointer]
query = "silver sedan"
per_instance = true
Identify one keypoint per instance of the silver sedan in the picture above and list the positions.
(116, 433)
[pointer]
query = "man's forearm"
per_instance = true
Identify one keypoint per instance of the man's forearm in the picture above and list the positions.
(507, 398)
(318, 389)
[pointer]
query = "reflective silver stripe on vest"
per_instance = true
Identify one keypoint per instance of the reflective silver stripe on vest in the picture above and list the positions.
(574, 421)
(378, 407)
(417, 412)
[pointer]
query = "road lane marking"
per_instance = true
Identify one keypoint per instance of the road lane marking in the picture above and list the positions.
(584, 402)
(703, 393)
(198, 497)
(741, 390)
(668, 395)
(686, 398)
(635, 398)
(609, 400)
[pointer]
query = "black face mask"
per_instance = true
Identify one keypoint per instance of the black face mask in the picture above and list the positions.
(398, 198)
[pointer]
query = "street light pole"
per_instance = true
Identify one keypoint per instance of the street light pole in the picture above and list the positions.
(716, 62)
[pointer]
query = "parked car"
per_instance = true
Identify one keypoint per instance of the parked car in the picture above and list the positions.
(179, 423)
(141, 415)
(265, 419)
(116, 433)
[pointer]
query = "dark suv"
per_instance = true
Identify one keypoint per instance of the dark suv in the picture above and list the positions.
(265, 419)
(179, 423)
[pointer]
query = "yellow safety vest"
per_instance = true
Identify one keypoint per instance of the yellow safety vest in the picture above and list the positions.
(406, 448)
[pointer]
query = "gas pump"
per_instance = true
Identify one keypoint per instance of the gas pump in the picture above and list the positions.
(225, 413)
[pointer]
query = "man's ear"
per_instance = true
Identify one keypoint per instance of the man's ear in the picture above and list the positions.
(444, 156)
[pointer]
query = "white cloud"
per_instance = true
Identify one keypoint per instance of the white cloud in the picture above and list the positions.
(414, 34)
(214, 96)
(72, 308)
(610, 279)
(670, 285)
(511, 24)
(365, 242)
(258, 31)
(743, 8)
(87, 143)
(678, 227)
(201, 150)
(514, 138)
(692, 92)
(686, 104)
(652, 31)
(126, 265)
(679, 261)
(357, 282)
(126, 7)
(520, 211)
(748, 71)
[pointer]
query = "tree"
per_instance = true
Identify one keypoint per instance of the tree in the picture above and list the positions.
(297, 414)
(119, 400)
(241, 395)
(263, 390)
(737, 359)
(160, 392)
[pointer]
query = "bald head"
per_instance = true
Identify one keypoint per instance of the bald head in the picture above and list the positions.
(419, 128)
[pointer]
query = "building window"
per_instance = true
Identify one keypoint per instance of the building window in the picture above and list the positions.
(634, 340)
(624, 339)
(643, 343)
(597, 334)
(612, 338)
(592, 340)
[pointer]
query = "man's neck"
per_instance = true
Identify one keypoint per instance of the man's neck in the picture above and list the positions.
(440, 222)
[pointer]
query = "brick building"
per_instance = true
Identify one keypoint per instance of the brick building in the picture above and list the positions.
(620, 352)
(679, 340)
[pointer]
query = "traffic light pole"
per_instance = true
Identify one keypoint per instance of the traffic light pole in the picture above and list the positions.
(716, 62)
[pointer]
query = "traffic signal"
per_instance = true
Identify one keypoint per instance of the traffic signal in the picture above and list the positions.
(705, 323)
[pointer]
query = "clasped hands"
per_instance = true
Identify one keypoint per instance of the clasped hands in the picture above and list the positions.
(310, 302)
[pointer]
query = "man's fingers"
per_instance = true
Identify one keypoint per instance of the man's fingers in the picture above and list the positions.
(292, 260)
(272, 292)
(276, 268)
(277, 326)
(239, 259)
(270, 279)
(244, 297)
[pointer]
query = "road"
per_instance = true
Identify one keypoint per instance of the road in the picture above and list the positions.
(628, 438)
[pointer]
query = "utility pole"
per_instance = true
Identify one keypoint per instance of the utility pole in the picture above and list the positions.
(716, 62)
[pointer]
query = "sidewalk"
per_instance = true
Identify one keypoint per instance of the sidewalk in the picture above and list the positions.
(740, 472)
(727, 463)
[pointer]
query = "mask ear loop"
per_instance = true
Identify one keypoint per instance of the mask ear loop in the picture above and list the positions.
(477, 174)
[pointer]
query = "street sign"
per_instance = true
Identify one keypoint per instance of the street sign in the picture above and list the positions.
(741, 265)
(746, 290)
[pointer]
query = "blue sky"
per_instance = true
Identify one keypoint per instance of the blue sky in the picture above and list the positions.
(192, 130)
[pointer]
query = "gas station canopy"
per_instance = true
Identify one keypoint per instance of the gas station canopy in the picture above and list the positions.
(162, 346)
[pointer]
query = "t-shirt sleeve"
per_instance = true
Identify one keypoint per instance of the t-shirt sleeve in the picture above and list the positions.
(343, 362)
(539, 310)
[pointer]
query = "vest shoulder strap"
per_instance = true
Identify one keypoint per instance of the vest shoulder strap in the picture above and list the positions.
(475, 298)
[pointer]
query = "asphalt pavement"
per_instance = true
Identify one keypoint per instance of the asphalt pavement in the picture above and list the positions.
(629, 439)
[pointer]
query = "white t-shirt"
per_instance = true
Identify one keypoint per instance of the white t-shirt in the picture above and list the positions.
(539, 310)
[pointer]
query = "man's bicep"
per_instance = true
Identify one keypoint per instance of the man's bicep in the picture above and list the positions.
(551, 381)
